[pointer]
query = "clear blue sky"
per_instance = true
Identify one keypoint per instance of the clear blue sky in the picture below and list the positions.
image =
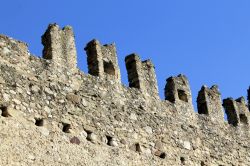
(207, 40)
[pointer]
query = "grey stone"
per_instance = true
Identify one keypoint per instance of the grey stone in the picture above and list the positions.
(53, 88)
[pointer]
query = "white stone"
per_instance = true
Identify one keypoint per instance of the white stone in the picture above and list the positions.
(84, 102)
(44, 131)
(6, 50)
(83, 134)
(148, 129)
(6, 97)
(135, 135)
(187, 145)
(133, 116)
(2, 43)
(175, 132)
(35, 88)
(47, 90)
(113, 143)
(12, 92)
(147, 151)
(47, 109)
(92, 137)
(61, 101)
(31, 157)
(16, 101)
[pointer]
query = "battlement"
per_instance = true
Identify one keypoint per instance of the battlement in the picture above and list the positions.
(59, 46)
(54, 113)
(141, 75)
(209, 103)
(237, 111)
(177, 89)
(102, 60)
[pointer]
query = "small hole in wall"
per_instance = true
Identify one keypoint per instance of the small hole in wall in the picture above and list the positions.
(243, 119)
(39, 122)
(202, 163)
(109, 68)
(182, 95)
(138, 148)
(5, 112)
(160, 154)
(182, 160)
(89, 138)
(66, 128)
(109, 139)
(202, 108)
(163, 155)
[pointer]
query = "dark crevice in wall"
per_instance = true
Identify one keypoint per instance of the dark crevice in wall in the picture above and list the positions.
(109, 68)
(39, 122)
(182, 160)
(5, 112)
(89, 133)
(109, 140)
(138, 148)
(66, 128)
(163, 155)
(182, 95)
(202, 109)
(243, 119)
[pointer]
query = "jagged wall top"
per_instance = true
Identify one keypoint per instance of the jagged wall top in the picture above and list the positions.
(96, 105)
(60, 50)
(102, 60)
(59, 46)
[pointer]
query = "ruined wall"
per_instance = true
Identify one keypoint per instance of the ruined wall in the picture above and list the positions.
(54, 114)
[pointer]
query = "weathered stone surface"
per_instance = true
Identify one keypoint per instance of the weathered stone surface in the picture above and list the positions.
(95, 120)
(75, 140)
(187, 145)
(73, 98)
(44, 131)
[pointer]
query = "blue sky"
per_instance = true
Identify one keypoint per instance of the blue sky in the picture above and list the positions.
(209, 41)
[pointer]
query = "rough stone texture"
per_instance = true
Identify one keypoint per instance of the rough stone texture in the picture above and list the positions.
(141, 75)
(209, 103)
(102, 60)
(237, 111)
(51, 115)
(177, 91)
(59, 46)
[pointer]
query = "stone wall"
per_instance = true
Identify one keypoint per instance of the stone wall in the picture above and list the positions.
(54, 114)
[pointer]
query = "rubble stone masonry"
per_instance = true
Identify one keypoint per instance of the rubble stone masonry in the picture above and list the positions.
(54, 114)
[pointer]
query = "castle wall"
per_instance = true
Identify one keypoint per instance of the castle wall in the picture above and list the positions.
(49, 117)
(209, 103)
(141, 75)
(59, 46)
(102, 60)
